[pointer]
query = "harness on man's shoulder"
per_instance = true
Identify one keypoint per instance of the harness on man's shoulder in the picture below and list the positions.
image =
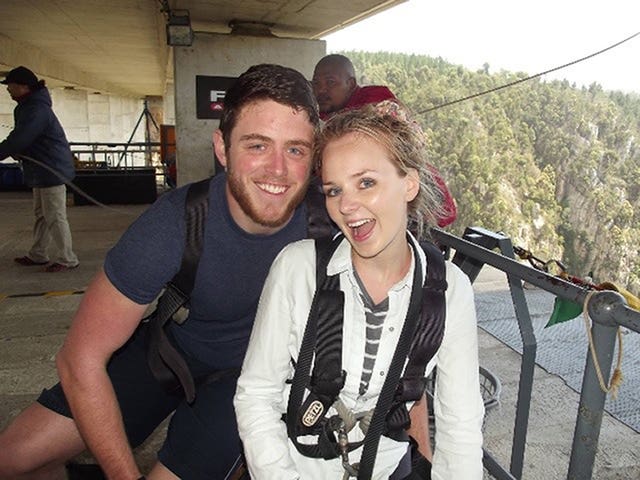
(165, 362)
(419, 340)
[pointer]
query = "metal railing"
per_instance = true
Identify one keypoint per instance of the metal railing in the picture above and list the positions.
(607, 309)
(127, 157)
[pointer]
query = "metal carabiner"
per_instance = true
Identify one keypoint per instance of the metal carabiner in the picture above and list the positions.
(343, 443)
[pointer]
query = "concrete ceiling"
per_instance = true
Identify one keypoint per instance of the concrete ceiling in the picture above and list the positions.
(119, 46)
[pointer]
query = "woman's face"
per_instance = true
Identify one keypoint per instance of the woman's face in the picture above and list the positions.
(365, 195)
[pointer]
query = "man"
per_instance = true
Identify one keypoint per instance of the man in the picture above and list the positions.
(39, 142)
(265, 143)
(336, 89)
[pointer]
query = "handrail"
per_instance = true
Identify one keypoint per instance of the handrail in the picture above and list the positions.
(553, 284)
(607, 309)
(123, 156)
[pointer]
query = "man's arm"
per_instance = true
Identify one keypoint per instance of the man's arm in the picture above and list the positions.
(419, 428)
(28, 127)
(105, 320)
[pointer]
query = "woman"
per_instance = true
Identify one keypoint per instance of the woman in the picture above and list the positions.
(377, 184)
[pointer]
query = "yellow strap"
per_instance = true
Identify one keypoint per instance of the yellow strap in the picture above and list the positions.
(632, 300)
(59, 293)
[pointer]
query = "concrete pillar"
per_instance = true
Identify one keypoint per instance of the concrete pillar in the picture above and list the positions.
(125, 114)
(169, 106)
(6, 113)
(229, 56)
(99, 107)
(100, 118)
(70, 106)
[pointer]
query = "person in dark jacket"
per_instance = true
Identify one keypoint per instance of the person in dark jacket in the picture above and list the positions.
(39, 142)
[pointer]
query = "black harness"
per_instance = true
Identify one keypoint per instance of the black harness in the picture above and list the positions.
(421, 337)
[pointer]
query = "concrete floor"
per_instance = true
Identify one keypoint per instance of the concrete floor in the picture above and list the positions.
(32, 329)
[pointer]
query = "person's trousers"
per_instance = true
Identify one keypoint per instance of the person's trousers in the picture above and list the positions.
(51, 227)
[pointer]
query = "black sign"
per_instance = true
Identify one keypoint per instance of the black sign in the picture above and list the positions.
(210, 92)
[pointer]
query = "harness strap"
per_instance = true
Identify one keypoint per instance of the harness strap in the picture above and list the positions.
(196, 208)
(325, 386)
(295, 414)
(165, 362)
(387, 394)
(426, 341)
(319, 224)
(429, 336)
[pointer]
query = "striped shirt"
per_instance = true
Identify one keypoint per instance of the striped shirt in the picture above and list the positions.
(374, 315)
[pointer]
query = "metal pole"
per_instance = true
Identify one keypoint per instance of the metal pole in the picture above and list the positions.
(471, 264)
(142, 115)
(494, 468)
(527, 366)
(592, 397)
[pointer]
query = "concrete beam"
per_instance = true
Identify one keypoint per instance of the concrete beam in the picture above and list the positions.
(56, 73)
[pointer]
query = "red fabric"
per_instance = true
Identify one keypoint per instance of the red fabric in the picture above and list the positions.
(362, 96)
(450, 212)
(369, 94)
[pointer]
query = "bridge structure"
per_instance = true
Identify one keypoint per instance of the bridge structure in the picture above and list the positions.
(176, 54)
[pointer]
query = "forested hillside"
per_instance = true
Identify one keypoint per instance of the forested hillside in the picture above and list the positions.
(555, 167)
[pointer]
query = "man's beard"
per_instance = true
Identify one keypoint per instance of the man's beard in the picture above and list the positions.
(240, 194)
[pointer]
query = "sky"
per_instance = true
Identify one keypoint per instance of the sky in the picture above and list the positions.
(515, 35)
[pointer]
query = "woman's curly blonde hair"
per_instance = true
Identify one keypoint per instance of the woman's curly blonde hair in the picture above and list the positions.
(404, 142)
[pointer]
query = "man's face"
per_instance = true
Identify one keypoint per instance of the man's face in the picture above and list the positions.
(17, 90)
(268, 164)
(332, 86)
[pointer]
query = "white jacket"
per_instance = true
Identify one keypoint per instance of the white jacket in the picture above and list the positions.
(262, 394)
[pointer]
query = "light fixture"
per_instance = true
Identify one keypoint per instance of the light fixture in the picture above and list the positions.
(179, 32)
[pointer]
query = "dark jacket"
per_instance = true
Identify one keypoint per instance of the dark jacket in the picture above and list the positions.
(38, 134)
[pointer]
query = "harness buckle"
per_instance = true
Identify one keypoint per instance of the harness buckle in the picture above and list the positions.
(410, 389)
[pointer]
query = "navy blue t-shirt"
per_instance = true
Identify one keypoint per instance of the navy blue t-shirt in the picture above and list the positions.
(231, 272)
